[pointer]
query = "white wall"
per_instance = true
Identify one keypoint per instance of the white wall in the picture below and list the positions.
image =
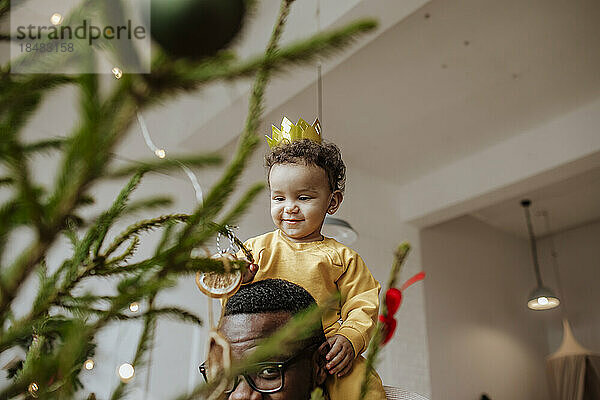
(482, 337)
(578, 264)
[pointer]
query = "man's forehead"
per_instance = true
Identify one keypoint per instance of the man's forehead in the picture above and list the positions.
(248, 328)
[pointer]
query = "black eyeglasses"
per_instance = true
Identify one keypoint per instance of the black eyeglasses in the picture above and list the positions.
(268, 376)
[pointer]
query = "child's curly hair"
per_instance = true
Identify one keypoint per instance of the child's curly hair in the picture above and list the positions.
(325, 155)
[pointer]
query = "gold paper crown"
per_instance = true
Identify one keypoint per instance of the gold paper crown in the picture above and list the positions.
(291, 133)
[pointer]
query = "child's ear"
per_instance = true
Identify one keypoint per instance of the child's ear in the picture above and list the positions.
(336, 201)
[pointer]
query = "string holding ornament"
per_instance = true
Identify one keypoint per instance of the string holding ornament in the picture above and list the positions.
(221, 286)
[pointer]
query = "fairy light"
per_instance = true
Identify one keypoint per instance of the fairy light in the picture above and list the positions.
(161, 153)
(33, 389)
(126, 372)
(117, 72)
(89, 364)
(56, 19)
(134, 307)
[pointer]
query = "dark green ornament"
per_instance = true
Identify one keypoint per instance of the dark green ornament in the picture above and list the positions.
(195, 28)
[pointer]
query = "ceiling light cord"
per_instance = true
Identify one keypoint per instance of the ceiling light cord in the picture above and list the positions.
(554, 254)
(319, 74)
(534, 255)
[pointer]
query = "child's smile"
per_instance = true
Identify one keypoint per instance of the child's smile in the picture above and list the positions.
(300, 198)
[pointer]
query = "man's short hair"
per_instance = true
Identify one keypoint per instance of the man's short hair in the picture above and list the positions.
(271, 296)
(307, 152)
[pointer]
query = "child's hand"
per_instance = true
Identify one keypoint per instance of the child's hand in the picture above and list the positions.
(340, 357)
(250, 272)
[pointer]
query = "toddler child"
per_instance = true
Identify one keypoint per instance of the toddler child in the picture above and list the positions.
(306, 180)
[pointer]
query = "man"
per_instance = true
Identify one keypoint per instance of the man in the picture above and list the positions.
(253, 314)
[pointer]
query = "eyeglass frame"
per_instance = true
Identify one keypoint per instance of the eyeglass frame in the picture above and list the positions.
(280, 365)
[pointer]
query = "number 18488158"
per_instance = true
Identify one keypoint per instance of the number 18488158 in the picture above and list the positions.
(46, 47)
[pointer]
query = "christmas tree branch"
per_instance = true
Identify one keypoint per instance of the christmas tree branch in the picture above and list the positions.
(377, 339)
(229, 219)
(70, 189)
(108, 218)
(115, 261)
(4, 7)
(44, 145)
(74, 273)
(143, 226)
(15, 89)
(87, 155)
(185, 77)
(213, 201)
(167, 164)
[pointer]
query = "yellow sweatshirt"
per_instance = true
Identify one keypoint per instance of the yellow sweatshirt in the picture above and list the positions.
(322, 268)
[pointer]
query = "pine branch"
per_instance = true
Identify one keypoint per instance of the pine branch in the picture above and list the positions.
(7, 222)
(131, 249)
(108, 218)
(144, 226)
(94, 237)
(64, 362)
(376, 341)
(167, 164)
(46, 289)
(27, 193)
(15, 88)
(44, 145)
(71, 234)
(6, 181)
(71, 185)
(214, 201)
(118, 113)
(147, 204)
(4, 7)
(170, 312)
(229, 219)
(242, 205)
(302, 52)
(178, 268)
(86, 160)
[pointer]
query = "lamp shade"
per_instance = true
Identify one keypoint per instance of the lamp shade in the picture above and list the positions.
(542, 298)
(340, 230)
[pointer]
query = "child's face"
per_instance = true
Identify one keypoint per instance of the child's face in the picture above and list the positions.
(300, 198)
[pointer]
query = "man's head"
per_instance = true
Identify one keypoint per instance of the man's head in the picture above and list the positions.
(306, 181)
(255, 312)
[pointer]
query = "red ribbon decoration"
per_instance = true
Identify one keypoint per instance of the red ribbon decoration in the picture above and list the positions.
(393, 300)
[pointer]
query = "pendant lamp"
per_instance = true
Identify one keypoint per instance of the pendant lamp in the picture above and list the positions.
(340, 230)
(541, 298)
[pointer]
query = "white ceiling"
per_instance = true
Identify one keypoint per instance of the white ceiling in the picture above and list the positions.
(569, 204)
(455, 77)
